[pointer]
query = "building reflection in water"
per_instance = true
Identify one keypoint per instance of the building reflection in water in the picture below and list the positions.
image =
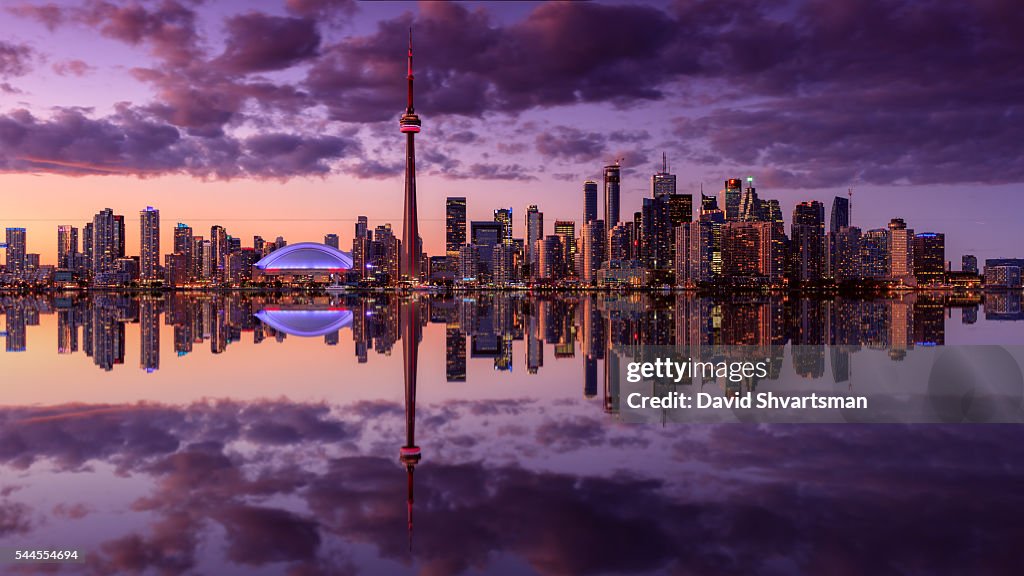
(485, 326)
(409, 454)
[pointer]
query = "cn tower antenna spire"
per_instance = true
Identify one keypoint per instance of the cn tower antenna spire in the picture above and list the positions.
(410, 109)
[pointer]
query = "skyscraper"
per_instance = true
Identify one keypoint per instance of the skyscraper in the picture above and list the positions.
(149, 255)
(503, 216)
(119, 236)
(67, 246)
(809, 247)
(485, 235)
(847, 261)
(567, 230)
(207, 260)
(104, 250)
(840, 214)
(710, 213)
(611, 195)
(219, 246)
(455, 224)
(656, 240)
(733, 198)
(693, 253)
(87, 248)
(663, 183)
(594, 241)
(16, 248)
(751, 209)
(183, 245)
(361, 246)
(550, 258)
(409, 124)
(534, 232)
(589, 201)
(619, 240)
(901, 250)
(749, 251)
(332, 240)
(196, 270)
(930, 257)
(874, 254)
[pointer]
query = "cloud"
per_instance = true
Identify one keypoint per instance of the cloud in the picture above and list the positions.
(73, 67)
(811, 93)
(330, 10)
(133, 142)
(168, 28)
(259, 43)
(15, 59)
(15, 518)
(571, 144)
(493, 171)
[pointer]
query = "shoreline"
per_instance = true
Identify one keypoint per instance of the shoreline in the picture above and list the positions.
(535, 289)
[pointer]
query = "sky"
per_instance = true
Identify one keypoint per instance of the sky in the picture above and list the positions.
(280, 117)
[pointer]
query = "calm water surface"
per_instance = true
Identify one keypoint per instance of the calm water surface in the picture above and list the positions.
(239, 434)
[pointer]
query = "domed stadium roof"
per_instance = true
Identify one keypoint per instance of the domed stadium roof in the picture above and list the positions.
(306, 323)
(306, 257)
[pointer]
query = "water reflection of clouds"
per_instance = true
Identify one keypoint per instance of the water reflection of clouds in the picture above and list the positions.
(300, 486)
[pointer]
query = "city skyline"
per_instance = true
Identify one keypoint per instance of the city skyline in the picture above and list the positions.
(294, 131)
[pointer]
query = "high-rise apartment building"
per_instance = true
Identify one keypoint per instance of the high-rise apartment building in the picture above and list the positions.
(183, 244)
(612, 176)
(809, 246)
(693, 253)
(219, 245)
(874, 251)
(17, 244)
(503, 216)
(594, 240)
(534, 232)
(454, 224)
(930, 258)
(901, 250)
(149, 253)
(589, 201)
(847, 261)
(567, 230)
(104, 241)
(67, 246)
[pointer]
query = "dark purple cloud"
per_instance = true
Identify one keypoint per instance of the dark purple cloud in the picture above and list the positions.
(73, 67)
(815, 92)
(168, 27)
(15, 518)
(15, 59)
(493, 171)
(571, 144)
(259, 43)
(331, 10)
(133, 142)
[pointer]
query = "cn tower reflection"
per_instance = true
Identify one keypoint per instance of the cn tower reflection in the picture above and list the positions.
(409, 454)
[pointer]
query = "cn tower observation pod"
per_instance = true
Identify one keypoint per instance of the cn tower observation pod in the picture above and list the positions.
(305, 258)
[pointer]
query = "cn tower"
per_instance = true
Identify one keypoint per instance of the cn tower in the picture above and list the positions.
(409, 261)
